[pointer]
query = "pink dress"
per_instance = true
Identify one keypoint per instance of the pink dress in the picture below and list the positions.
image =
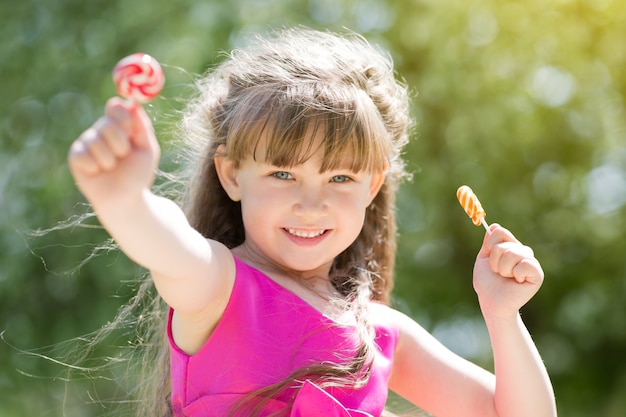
(265, 334)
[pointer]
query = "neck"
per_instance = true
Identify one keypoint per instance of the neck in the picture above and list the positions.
(313, 286)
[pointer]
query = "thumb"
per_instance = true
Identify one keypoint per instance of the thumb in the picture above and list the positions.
(487, 245)
(496, 235)
(135, 121)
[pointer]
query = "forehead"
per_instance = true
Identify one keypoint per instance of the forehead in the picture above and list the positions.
(312, 146)
(286, 128)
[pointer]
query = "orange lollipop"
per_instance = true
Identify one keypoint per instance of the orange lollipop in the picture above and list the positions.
(472, 206)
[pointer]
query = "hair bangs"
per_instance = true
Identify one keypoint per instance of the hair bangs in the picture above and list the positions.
(286, 127)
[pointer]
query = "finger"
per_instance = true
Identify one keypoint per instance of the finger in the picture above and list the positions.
(119, 111)
(134, 120)
(506, 256)
(79, 158)
(528, 270)
(144, 135)
(114, 136)
(497, 234)
(94, 143)
(496, 263)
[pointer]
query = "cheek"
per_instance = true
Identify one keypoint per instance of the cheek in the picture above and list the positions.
(260, 205)
(352, 209)
(357, 199)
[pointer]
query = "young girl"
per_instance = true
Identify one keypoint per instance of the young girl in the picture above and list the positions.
(278, 267)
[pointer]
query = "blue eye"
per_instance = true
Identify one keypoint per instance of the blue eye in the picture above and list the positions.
(340, 178)
(282, 175)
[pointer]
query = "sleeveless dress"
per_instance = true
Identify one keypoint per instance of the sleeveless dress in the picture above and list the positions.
(265, 334)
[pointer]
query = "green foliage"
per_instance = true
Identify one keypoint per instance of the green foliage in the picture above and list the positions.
(523, 101)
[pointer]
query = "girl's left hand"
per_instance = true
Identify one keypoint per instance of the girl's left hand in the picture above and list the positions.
(506, 274)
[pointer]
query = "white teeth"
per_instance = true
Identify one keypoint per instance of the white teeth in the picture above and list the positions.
(306, 234)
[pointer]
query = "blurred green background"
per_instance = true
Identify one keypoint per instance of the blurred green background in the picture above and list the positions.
(521, 100)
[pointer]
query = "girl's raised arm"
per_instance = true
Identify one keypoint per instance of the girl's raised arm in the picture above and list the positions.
(113, 163)
(506, 276)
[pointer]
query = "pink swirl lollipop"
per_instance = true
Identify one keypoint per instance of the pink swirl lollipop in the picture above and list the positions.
(138, 77)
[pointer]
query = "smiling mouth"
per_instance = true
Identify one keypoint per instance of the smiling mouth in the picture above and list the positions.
(306, 234)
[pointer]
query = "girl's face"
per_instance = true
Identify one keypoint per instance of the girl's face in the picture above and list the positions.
(299, 218)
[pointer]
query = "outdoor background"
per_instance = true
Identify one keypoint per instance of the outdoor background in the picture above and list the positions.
(521, 100)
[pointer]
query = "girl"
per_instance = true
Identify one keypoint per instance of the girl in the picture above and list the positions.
(278, 267)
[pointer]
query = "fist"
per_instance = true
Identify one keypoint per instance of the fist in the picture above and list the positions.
(117, 156)
(506, 274)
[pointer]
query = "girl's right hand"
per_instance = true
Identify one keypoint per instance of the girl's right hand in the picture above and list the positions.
(115, 159)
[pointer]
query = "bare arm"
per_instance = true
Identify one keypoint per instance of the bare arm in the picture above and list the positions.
(437, 380)
(113, 163)
(506, 276)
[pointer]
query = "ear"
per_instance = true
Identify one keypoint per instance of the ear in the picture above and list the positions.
(378, 179)
(227, 173)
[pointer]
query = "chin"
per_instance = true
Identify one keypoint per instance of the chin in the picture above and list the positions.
(305, 265)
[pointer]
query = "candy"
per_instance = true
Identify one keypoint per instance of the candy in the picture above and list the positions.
(138, 77)
(471, 205)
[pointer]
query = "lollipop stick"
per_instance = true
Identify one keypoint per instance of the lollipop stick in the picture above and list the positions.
(484, 223)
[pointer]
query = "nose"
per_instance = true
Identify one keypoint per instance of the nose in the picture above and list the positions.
(310, 203)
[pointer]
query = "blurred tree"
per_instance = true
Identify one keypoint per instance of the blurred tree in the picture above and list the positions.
(523, 101)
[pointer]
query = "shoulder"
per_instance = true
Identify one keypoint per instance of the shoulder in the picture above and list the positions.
(384, 315)
(381, 314)
(414, 341)
(384, 320)
(193, 322)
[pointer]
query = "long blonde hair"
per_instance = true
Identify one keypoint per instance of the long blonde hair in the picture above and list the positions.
(280, 88)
